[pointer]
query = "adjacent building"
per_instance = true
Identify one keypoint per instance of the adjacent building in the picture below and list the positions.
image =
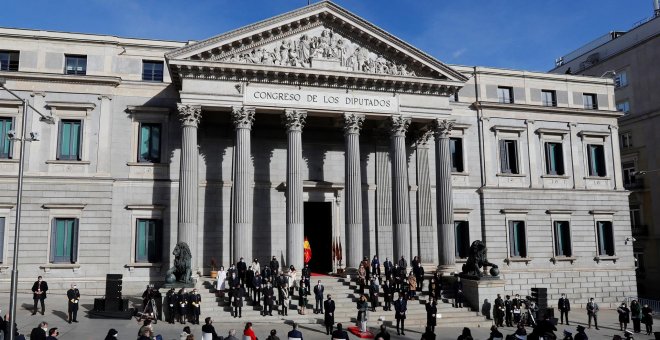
(313, 125)
(631, 59)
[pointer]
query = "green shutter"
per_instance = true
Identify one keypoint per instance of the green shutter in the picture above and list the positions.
(5, 142)
(144, 142)
(154, 150)
(141, 241)
(504, 158)
(2, 239)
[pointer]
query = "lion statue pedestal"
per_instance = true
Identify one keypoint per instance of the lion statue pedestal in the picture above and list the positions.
(180, 275)
(478, 282)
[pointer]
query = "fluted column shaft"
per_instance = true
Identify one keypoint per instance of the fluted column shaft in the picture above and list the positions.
(444, 199)
(428, 239)
(294, 121)
(352, 125)
(188, 178)
(242, 117)
(400, 194)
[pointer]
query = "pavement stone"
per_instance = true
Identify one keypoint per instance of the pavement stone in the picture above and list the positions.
(56, 314)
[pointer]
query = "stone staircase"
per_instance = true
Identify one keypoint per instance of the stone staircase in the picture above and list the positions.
(345, 293)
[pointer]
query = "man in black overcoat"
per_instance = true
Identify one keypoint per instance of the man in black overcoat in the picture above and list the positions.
(73, 295)
(564, 306)
(39, 289)
(329, 316)
(400, 309)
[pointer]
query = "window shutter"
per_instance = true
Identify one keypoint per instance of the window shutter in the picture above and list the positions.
(141, 241)
(522, 239)
(513, 251)
(158, 226)
(2, 239)
(557, 232)
(53, 240)
(74, 242)
(549, 168)
(60, 139)
(504, 158)
(154, 148)
(601, 238)
(559, 158)
(593, 169)
(79, 136)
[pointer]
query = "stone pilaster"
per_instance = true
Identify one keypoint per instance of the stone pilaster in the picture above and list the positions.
(428, 235)
(294, 120)
(188, 178)
(400, 195)
(352, 125)
(444, 199)
(243, 118)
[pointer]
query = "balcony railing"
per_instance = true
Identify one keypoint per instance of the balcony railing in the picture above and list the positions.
(634, 184)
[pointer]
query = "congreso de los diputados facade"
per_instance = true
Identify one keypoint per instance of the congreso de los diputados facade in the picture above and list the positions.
(312, 125)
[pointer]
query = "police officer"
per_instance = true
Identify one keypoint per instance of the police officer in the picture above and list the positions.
(307, 275)
(171, 302)
(564, 306)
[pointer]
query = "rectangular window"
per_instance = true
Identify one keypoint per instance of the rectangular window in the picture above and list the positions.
(629, 171)
(456, 150)
(148, 241)
(6, 125)
(562, 238)
(462, 232)
(623, 106)
(639, 261)
(64, 240)
(152, 70)
(149, 139)
(625, 139)
(517, 239)
(635, 216)
(554, 159)
(2, 240)
(69, 140)
(505, 94)
(549, 97)
(75, 64)
(596, 157)
(590, 101)
(509, 156)
(621, 79)
(605, 238)
(9, 60)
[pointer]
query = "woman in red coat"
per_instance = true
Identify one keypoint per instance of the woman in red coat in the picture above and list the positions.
(249, 332)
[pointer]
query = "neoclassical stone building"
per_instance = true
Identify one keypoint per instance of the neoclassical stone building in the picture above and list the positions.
(315, 125)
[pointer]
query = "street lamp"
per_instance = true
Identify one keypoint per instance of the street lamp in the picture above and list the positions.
(22, 138)
(644, 172)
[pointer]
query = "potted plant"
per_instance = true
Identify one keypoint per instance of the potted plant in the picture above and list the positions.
(214, 268)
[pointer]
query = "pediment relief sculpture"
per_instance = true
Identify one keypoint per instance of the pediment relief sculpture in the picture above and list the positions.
(319, 48)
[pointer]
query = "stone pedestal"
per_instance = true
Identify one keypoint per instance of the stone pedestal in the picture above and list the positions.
(476, 291)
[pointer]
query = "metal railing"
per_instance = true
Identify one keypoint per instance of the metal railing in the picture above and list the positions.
(654, 304)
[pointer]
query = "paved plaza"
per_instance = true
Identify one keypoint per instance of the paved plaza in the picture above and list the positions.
(56, 310)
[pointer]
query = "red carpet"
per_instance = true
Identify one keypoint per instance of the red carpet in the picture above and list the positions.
(320, 274)
(362, 335)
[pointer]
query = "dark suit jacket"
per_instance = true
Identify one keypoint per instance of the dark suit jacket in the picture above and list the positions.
(294, 333)
(401, 307)
(37, 334)
(44, 288)
(340, 334)
(318, 292)
(564, 304)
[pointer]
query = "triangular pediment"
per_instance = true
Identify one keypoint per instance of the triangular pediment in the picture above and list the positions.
(322, 36)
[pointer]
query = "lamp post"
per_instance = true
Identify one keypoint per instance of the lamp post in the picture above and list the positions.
(22, 138)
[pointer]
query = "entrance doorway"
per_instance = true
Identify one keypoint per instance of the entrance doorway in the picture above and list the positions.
(318, 231)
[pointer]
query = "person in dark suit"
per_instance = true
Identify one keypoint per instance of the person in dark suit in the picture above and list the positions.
(73, 295)
(388, 292)
(39, 333)
(564, 306)
(458, 293)
(400, 309)
(403, 263)
(329, 317)
(39, 289)
(508, 311)
(340, 333)
(238, 301)
(431, 312)
(241, 267)
(256, 293)
(249, 281)
(295, 333)
(307, 275)
(373, 294)
(388, 266)
(274, 265)
(195, 301)
(269, 297)
(182, 300)
(170, 302)
(375, 266)
(318, 297)
(383, 334)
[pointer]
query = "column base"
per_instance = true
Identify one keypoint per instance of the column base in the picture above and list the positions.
(448, 269)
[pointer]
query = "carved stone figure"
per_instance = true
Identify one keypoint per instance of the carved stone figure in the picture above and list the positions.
(298, 51)
(476, 260)
(181, 271)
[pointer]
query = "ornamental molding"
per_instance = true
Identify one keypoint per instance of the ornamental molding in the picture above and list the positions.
(190, 115)
(242, 117)
(294, 120)
(353, 123)
(442, 128)
(399, 125)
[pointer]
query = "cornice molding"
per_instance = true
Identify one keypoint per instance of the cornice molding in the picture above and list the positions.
(71, 105)
(546, 109)
(133, 109)
(62, 78)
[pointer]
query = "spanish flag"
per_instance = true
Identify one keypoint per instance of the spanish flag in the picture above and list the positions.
(307, 251)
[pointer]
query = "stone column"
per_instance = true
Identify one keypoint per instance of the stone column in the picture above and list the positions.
(444, 199)
(400, 195)
(188, 183)
(294, 120)
(242, 117)
(428, 236)
(352, 125)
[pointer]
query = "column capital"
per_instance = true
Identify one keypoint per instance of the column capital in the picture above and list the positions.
(399, 125)
(442, 127)
(190, 114)
(353, 123)
(242, 117)
(294, 120)
(423, 137)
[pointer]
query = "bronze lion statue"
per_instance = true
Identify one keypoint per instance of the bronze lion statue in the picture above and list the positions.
(477, 260)
(181, 271)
